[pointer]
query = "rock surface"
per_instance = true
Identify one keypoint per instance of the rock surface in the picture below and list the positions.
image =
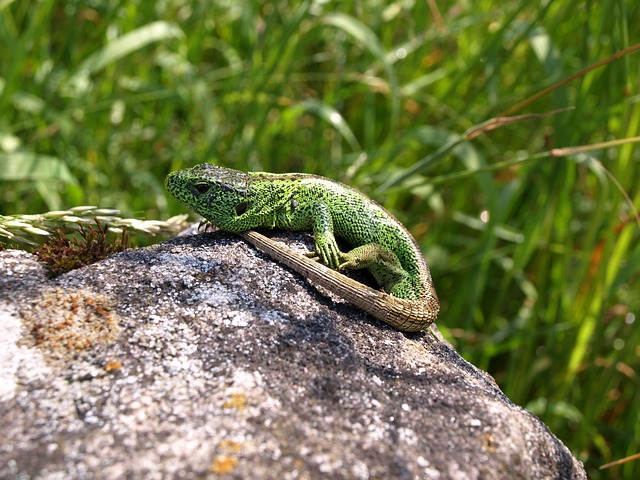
(200, 357)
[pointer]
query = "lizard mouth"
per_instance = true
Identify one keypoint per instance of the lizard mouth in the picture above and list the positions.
(178, 187)
(170, 182)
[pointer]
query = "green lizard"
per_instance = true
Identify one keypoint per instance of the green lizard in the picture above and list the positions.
(238, 202)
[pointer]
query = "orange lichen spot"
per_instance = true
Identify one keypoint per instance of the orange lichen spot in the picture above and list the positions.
(488, 442)
(113, 365)
(230, 445)
(223, 464)
(237, 401)
(61, 322)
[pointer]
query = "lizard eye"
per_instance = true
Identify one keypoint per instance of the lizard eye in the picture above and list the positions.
(241, 208)
(202, 187)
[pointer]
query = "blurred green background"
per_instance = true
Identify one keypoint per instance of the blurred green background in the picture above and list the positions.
(536, 259)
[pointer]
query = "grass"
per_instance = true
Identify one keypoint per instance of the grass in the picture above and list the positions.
(536, 258)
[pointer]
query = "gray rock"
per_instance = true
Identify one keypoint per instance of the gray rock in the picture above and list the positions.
(200, 357)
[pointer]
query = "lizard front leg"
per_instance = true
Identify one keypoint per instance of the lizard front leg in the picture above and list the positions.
(327, 250)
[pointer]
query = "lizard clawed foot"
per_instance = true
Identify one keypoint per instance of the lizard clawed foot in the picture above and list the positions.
(206, 225)
(351, 264)
(320, 259)
(312, 255)
(343, 261)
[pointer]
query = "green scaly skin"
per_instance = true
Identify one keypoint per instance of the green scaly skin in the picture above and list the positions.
(237, 202)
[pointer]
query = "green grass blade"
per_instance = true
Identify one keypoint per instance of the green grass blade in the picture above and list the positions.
(365, 37)
(28, 166)
(123, 46)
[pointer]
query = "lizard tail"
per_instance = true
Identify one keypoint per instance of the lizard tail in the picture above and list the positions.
(404, 315)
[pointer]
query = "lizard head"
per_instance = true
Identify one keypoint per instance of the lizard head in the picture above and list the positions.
(217, 193)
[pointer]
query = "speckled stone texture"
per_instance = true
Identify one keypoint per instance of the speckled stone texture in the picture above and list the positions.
(200, 357)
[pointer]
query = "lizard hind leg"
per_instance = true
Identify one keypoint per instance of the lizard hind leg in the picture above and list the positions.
(382, 263)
